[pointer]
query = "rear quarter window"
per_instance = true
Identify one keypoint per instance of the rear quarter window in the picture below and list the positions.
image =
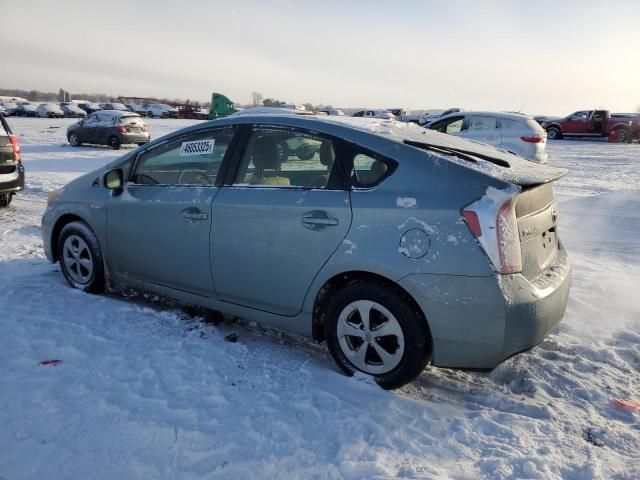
(370, 169)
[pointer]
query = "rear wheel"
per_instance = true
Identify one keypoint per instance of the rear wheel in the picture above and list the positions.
(80, 257)
(623, 135)
(74, 140)
(554, 133)
(375, 330)
(114, 142)
(5, 199)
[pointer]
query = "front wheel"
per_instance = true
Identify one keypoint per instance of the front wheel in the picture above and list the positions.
(74, 140)
(114, 142)
(375, 330)
(554, 133)
(80, 257)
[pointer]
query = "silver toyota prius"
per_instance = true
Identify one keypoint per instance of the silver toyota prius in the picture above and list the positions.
(396, 245)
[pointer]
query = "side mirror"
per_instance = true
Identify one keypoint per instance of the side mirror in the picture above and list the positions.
(113, 179)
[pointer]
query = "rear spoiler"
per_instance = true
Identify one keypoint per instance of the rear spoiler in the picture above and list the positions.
(496, 163)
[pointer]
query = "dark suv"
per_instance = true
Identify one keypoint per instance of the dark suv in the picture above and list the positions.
(109, 127)
(11, 169)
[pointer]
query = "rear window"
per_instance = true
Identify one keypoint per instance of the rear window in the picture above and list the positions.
(131, 120)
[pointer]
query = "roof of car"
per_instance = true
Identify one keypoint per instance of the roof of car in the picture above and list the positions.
(376, 133)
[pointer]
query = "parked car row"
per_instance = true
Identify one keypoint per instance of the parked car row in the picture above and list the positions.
(82, 108)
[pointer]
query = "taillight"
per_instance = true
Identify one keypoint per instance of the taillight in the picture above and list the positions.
(492, 220)
(532, 139)
(121, 129)
(15, 144)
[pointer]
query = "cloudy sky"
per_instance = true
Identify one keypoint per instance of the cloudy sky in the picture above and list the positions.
(542, 57)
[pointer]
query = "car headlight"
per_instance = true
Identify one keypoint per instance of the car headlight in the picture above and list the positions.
(53, 195)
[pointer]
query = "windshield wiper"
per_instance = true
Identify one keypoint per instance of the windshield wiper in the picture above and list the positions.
(464, 154)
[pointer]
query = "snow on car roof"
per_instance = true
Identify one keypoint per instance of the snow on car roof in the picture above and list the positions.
(511, 115)
(270, 111)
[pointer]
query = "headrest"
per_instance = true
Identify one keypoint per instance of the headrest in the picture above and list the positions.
(327, 154)
(378, 169)
(265, 153)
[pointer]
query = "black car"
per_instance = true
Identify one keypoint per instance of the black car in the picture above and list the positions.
(11, 169)
(114, 106)
(89, 107)
(109, 127)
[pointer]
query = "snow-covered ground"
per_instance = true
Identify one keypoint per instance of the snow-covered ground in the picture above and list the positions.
(146, 390)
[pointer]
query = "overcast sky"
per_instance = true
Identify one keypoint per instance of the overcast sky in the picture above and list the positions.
(541, 57)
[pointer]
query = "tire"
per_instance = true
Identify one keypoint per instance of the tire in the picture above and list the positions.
(623, 135)
(81, 258)
(5, 199)
(74, 140)
(407, 345)
(554, 133)
(142, 143)
(114, 143)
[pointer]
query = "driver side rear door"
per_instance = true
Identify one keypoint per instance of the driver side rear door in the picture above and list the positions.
(277, 222)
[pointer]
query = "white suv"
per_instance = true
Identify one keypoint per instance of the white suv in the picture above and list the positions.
(161, 110)
(514, 132)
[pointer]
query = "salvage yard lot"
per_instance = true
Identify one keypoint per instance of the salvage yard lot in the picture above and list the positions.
(146, 390)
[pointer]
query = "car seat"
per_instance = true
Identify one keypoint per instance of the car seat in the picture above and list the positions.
(267, 160)
(327, 157)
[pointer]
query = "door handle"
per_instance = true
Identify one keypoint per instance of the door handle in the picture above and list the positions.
(194, 214)
(318, 219)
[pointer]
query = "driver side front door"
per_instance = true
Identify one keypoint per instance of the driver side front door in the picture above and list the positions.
(158, 227)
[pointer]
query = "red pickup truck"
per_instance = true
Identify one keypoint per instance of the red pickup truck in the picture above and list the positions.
(620, 127)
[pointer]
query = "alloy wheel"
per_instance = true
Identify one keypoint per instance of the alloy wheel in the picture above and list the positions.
(78, 259)
(370, 337)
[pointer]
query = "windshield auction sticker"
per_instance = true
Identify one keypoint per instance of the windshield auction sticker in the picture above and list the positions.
(197, 147)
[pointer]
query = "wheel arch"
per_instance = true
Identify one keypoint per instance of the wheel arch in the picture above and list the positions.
(62, 222)
(343, 279)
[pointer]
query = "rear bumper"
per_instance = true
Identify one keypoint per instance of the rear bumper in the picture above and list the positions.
(134, 138)
(12, 182)
(478, 322)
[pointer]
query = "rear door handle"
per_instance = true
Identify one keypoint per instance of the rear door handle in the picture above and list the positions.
(318, 219)
(194, 214)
